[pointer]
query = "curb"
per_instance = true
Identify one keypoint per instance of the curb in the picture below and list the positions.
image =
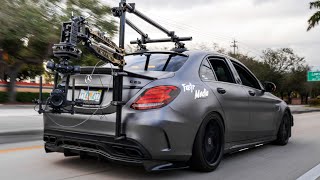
(18, 136)
(22, 132)
(307, 111)
(20, 106)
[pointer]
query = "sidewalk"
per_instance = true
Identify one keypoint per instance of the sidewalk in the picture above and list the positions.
(16, 106)
(299, 109)
(19, 118)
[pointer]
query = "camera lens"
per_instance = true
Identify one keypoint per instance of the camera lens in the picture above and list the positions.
(57, 98)
(50, 65)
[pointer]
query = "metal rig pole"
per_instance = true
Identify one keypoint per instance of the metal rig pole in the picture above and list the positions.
(118, 77)
(40, 97)
(122, 24)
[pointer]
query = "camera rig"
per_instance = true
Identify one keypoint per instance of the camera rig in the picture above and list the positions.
(78, 31)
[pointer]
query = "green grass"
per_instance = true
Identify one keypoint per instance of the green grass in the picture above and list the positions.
(317, 106)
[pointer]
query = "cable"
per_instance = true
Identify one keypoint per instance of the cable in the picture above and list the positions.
(88, 78)
(94, 113)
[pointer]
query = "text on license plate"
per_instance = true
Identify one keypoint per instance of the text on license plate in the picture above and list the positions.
(94, 96)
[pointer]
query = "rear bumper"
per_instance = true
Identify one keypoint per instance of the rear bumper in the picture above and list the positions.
(159, 136)
(126, 151)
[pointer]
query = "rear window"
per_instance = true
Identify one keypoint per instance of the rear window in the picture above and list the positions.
(157, 62)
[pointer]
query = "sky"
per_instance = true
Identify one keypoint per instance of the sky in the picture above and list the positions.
(255, 24)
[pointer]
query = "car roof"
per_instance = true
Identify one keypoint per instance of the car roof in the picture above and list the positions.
(190, 53)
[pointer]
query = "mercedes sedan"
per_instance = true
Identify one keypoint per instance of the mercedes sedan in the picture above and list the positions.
(182, 109)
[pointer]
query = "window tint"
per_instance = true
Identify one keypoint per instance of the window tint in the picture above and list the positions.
(246, 77)
(221, 70)
(206, 72)
(157, 62)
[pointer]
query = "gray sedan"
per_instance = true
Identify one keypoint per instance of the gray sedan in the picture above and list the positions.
(183, 109)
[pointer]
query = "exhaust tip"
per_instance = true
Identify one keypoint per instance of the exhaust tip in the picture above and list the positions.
(52, 139)
(45, 138)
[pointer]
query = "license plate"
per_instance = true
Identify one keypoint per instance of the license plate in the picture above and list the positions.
(90, 97)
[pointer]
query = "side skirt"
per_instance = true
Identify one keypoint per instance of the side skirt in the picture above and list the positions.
(244, 145)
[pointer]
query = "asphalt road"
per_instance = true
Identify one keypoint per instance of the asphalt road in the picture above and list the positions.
(27, 160)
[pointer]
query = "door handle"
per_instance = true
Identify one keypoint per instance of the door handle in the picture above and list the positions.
(252, 93)
(221, 90)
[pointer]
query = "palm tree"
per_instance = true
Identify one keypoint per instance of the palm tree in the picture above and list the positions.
(315, 18)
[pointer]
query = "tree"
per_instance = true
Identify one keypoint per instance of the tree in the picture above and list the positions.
(260, 69)
(30, 71)
(30, 27)
(283, 59)
(284, 63)
(315, 18)
(24, 35)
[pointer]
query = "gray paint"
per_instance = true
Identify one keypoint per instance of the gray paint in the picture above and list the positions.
(247, 119)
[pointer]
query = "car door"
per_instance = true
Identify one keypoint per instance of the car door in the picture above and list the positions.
(262, 105)
(234, 101)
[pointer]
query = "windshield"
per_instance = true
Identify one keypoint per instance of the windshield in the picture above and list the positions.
(157, 62)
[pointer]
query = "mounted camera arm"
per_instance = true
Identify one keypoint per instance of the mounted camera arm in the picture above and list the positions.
(144, 37)
(72, 33)
(78, 31)
(130, 8)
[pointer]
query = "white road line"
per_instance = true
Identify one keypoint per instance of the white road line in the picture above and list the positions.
(312, 174)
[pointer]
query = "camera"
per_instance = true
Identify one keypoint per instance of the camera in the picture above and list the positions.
(57, 99)
(63, 68)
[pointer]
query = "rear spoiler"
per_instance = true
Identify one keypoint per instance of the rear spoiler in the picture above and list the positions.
(104, 70)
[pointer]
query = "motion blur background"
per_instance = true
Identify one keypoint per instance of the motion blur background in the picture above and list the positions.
(278, 40)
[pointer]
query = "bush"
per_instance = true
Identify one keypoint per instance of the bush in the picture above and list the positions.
(3, 97)
(28, 97)
(314, 102)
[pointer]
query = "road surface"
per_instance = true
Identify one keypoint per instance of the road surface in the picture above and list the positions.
(26, 159)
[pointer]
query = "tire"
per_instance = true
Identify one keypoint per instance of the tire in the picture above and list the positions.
(209, 145)
(284, 131)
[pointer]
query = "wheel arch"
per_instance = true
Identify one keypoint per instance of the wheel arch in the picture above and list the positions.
(214, 112)
(287, 109)
(203, 118)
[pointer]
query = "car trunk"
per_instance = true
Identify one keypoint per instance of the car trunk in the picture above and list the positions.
(101, 85)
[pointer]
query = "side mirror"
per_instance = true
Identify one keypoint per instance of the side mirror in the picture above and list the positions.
(270, 86)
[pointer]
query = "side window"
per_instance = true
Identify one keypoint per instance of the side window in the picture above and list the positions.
(246, 77)
(222, 70)
(206, 72)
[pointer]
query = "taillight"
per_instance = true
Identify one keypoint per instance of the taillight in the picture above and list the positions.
(155, 97)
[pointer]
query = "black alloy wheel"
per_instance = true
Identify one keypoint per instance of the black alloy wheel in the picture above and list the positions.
(212, 142)
(208, 147)
(284, 130)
